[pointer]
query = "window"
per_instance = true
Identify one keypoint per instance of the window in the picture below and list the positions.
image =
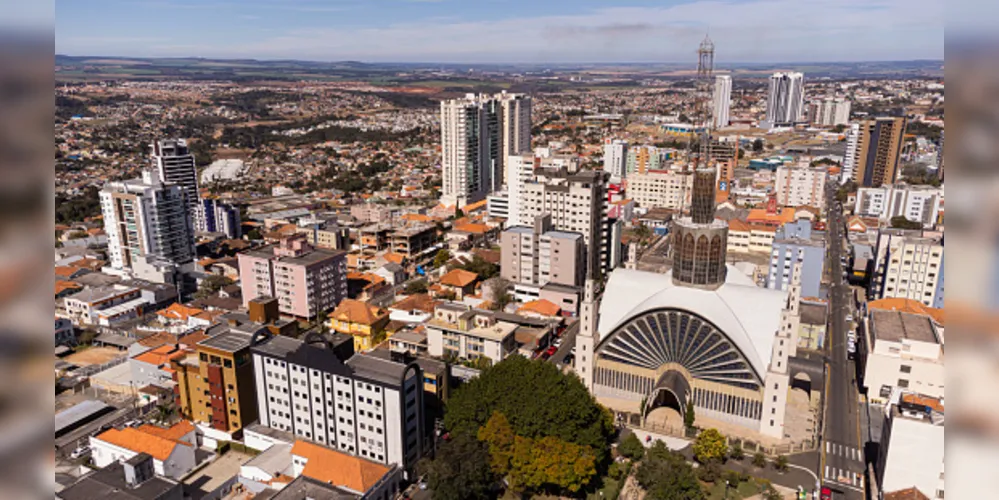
(903, 383)
(905, 369)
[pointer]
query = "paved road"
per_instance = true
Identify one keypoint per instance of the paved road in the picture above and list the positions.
(568, 341)
(842, 465)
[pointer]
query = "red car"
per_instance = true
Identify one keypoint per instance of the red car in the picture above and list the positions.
(825, 494)
(551, 350)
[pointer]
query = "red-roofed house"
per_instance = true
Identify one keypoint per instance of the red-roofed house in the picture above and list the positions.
(172, 449)
(362, 477)
(460, 282)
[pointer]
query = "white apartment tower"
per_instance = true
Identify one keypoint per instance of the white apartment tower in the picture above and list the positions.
(799, 186)
(908, 266)
(175, 165)
(477, 133)
(722, 100)
(661, 189)
(829, 112)
(850, 160)
(785, 100)
(149, 228)
(616, 158)
(519, 172)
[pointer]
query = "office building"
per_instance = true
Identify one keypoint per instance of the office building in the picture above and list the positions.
(534, 256)
(577, 203)
(798, 186)
(175, 165)
(873, 151)
(149, 229)
(785, 100)
(793, 244)
(922, 204)
(722, 100)
(365, 406)
(616, 158)
(829, 112)
(305, 280)
(908, 266)
(213, 216)
(477, 133)
(903, 350)
(660, 189)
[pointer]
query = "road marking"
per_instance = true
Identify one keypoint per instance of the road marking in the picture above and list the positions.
(827, 472)
(828, 444)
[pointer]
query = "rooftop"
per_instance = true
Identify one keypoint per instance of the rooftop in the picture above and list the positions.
(894, 326)
(908, 306)
(377, 369)
(141, 441)
(459, 278)
(355, 311)
(305, 487)
(109, 484)
(301, 353)
(229, 341)
(338, 469)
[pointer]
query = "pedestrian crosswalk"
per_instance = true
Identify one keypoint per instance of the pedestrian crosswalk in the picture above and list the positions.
(844, 451)
(844, 476)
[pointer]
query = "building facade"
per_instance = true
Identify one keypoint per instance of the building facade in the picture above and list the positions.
(799, 186)
(642, 159)
(829, 112)
(616, 158)
(534, 256)
(660, 189)
(305, 281)
(175, 165)
(921, 204)
(722, 100)
(460, 332)
(785, 99)
(874, 148)
(904, 353)
(212, 216)
(794, 250)
(908, 266)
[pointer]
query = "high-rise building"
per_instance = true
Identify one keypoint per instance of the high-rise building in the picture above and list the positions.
(642, 159)
(364, 406)
(149, 228)
(477, 133)
(829, 112)
(916, 203)
(800, 185)
(793, 244)
(213, 216)
(873, 151)
(785, 100)
(722, 100)
(520, 171)
(908, 266)
(175, 165)
(660, 189)
(534, 256)
(306, 281)
(616, 158)
(577, 203)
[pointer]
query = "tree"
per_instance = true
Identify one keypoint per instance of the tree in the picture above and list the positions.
(211, 285)
(254, 234)
(631, 447)
(900, 222)
(643, 233)
(550, 461)
(481, 267)
(709, 472)
(736, 453)
(710, 446)
(461, 470)
(665, 475)
(781, 463)
(759, 460)
(537, 399)
(839, 128)
(688, 416)
(165, 412)
(500, 438)
(758, 145)
(443, 255)
(415, 287)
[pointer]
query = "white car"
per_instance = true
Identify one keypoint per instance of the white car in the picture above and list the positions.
(80, 452)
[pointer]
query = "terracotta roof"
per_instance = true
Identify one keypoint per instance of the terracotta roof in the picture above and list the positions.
(139, 441)
(472, 228)
(908, 306)
(471, 207)
(161, 355)
(459, 278)
(175, 432)
(491, 256)
(64, 285)
(906, 494)
(761, 215)
(418, 218)
(157, 339)
(179, 311)
(193, 338)
(397, 258)
(419, 301)
(66, 272)
(338, 469)
(355, 311)
(919, 399)
(541, 306)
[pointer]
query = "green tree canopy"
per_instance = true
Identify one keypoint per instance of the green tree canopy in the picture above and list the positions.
(480, 266)
(631, 447)
(461, 470)
(500, 438)
(665, 475)
(900, 222)
(710, 446)
(550, 461)
(537, 399)
(443, 255)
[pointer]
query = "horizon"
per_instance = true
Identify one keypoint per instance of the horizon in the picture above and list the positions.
(510, 32)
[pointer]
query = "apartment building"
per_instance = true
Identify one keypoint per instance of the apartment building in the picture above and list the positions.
(174, 163)
(373, 213)
(921, 204)
(798, 186)
(616, 158)
(213, 216)
(327, 234)
(904, 351)
(660, 189)
(642, 159)
(363, 406)
(149, 229)
(910, 266)
(785, 100)
(515, 126)
(794, 250)
(722, 100)
(577, 203)
(749, 238)
(912, 447)
(460, 332)
(535, 256)
(828, 112)
(873, 151)
(306, 281)
(105, 306)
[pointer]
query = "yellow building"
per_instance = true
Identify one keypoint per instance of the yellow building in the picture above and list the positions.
(363, 321)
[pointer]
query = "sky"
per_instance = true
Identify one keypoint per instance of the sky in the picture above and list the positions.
(504, 31)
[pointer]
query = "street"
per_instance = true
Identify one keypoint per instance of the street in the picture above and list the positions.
(842, 465)
(568, 342)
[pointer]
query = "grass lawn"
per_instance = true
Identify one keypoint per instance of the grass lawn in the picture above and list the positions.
(610, 488)
(745, 490)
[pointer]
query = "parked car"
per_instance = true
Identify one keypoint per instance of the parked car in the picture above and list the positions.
(133, 423)
(550, 351)
(567, 360)
(826, 494)
(80, 452)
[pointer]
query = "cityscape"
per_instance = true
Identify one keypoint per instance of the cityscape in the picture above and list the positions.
(708, 278)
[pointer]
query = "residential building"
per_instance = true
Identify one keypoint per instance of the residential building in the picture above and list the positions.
(153, 366)
(412, 240)
(458, 282)
(799, 186)
(498, 205)
(64, 332)
(912, 447)
(362, 321)
(335, 475)
(577, 203)
(616, 158)
(660, 189)
(149, 229)
(795, 249)
(460, 332)
(908, 266)
(745, 238)
(328, 234)
(515, 126)
(785, 100)
(373, 213)
(536, 256)
(174, 163)
(873, 152)
(212, 216)
(132, 479)
(306, 281)
(172, 449)
(364, 406)
(829, 112)
(903, 351)
(105, 305)
(519, 172)
(722, 100)
(921, 204)
(642, 159)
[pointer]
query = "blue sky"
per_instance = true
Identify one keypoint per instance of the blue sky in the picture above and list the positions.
(487, 31)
